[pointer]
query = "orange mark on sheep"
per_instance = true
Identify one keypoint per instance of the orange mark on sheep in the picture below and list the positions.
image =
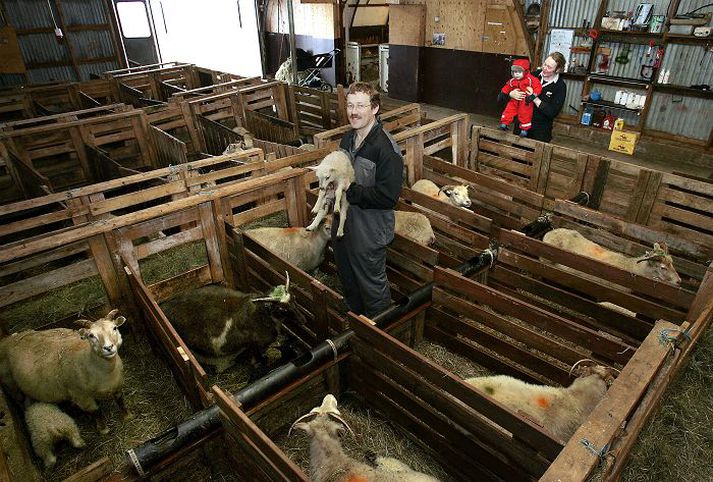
(597, 250)
(357, 478)
(542, 402)
(291, 229)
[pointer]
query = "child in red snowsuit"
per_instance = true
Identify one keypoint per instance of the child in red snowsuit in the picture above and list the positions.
(521, 79)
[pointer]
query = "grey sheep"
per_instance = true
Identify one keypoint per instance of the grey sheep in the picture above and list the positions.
(48, 425)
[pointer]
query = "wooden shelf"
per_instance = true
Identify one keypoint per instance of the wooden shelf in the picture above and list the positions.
(624, 81)
(569, 75)
(612, 105)
(633, 33)
(682, 90)
(678, 38)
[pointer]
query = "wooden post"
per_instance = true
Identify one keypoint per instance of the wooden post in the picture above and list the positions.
(342, 106)
(296, 201)
(474, 148)
(212, 245)
(319, 310)
(239, 261)
(459, 136)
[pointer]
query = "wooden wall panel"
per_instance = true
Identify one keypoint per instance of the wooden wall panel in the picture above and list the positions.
(407, 25)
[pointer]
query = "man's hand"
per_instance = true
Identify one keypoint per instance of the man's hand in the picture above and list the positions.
(517, 94)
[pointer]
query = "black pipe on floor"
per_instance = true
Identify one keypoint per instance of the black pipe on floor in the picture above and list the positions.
(543, 223)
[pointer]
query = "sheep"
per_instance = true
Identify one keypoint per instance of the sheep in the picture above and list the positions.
(415, 226)
(57, 365)
(656, 264)
(48, 425)
(219, 324)
(297, 246)
(248, 141)
(328, 462)
(560, 410)
(335, 173)
(456, 195)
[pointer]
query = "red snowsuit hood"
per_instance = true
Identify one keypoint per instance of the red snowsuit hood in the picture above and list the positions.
(524, 63)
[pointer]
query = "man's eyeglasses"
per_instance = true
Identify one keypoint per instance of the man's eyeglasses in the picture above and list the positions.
(358, 106)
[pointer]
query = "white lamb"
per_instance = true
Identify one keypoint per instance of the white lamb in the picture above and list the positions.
(559, 410)
(60, 364)
(328, 462)
(297, 246)
(455, 195)
(656, 264)
(48, 425)
(415, 226)
(335, 173)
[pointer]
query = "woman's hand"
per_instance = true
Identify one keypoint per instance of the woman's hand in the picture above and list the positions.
(517, 94)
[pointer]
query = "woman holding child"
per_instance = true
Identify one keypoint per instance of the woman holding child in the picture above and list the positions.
(549, 103)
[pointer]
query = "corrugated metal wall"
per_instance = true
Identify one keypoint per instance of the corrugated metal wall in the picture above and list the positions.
(679, 115)
(48, 59)
(689, 64)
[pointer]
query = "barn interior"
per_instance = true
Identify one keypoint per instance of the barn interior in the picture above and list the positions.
(155, 149)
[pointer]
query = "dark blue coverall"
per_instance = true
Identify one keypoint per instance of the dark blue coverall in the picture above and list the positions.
(369, 228)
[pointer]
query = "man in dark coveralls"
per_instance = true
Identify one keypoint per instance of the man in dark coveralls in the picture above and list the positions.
(378, 169)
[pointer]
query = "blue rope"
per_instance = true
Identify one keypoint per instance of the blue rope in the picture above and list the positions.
(666, 337)
(601, 454)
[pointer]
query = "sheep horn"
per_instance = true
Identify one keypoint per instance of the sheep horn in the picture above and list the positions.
(310, 414)
(583, 360)
(341, 420)
(83, 323)
(287, 283)
(112, 314)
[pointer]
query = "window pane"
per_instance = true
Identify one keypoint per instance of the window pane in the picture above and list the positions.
(134, 20)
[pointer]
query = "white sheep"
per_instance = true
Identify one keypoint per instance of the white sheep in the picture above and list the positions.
(559, 410)
(656, 264)
(297, 246)
(415, 226)
(328, 462)
(48, 425)
(455, 195)
(335, 173)
(56, 365)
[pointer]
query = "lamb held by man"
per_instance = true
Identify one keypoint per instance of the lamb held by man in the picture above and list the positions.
(335, 173)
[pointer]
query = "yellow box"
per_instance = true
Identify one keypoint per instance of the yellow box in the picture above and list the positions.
(623, 141)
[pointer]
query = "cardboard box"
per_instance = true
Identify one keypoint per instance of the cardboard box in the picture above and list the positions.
(623, 141)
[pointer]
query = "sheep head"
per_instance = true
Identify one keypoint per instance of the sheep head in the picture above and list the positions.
(659, 264)
(458, 194)
(323, 416)
(103, 335)
(326, 171)
(587, 367)
(280, 304)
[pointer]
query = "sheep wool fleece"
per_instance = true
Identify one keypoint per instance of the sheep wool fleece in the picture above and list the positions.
(369, 228)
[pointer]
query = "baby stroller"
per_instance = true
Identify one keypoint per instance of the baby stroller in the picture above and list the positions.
(309, 69)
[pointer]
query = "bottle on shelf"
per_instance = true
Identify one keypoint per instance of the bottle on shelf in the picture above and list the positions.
(617, 97)
(587, 116)
(662, 72)
(666, 76)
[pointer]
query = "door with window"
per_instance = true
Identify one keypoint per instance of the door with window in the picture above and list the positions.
(137, 31)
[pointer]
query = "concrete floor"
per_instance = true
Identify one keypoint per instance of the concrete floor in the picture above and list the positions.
(661, 157)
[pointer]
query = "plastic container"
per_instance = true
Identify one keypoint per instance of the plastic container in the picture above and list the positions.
(619, 124)
(587, 116)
